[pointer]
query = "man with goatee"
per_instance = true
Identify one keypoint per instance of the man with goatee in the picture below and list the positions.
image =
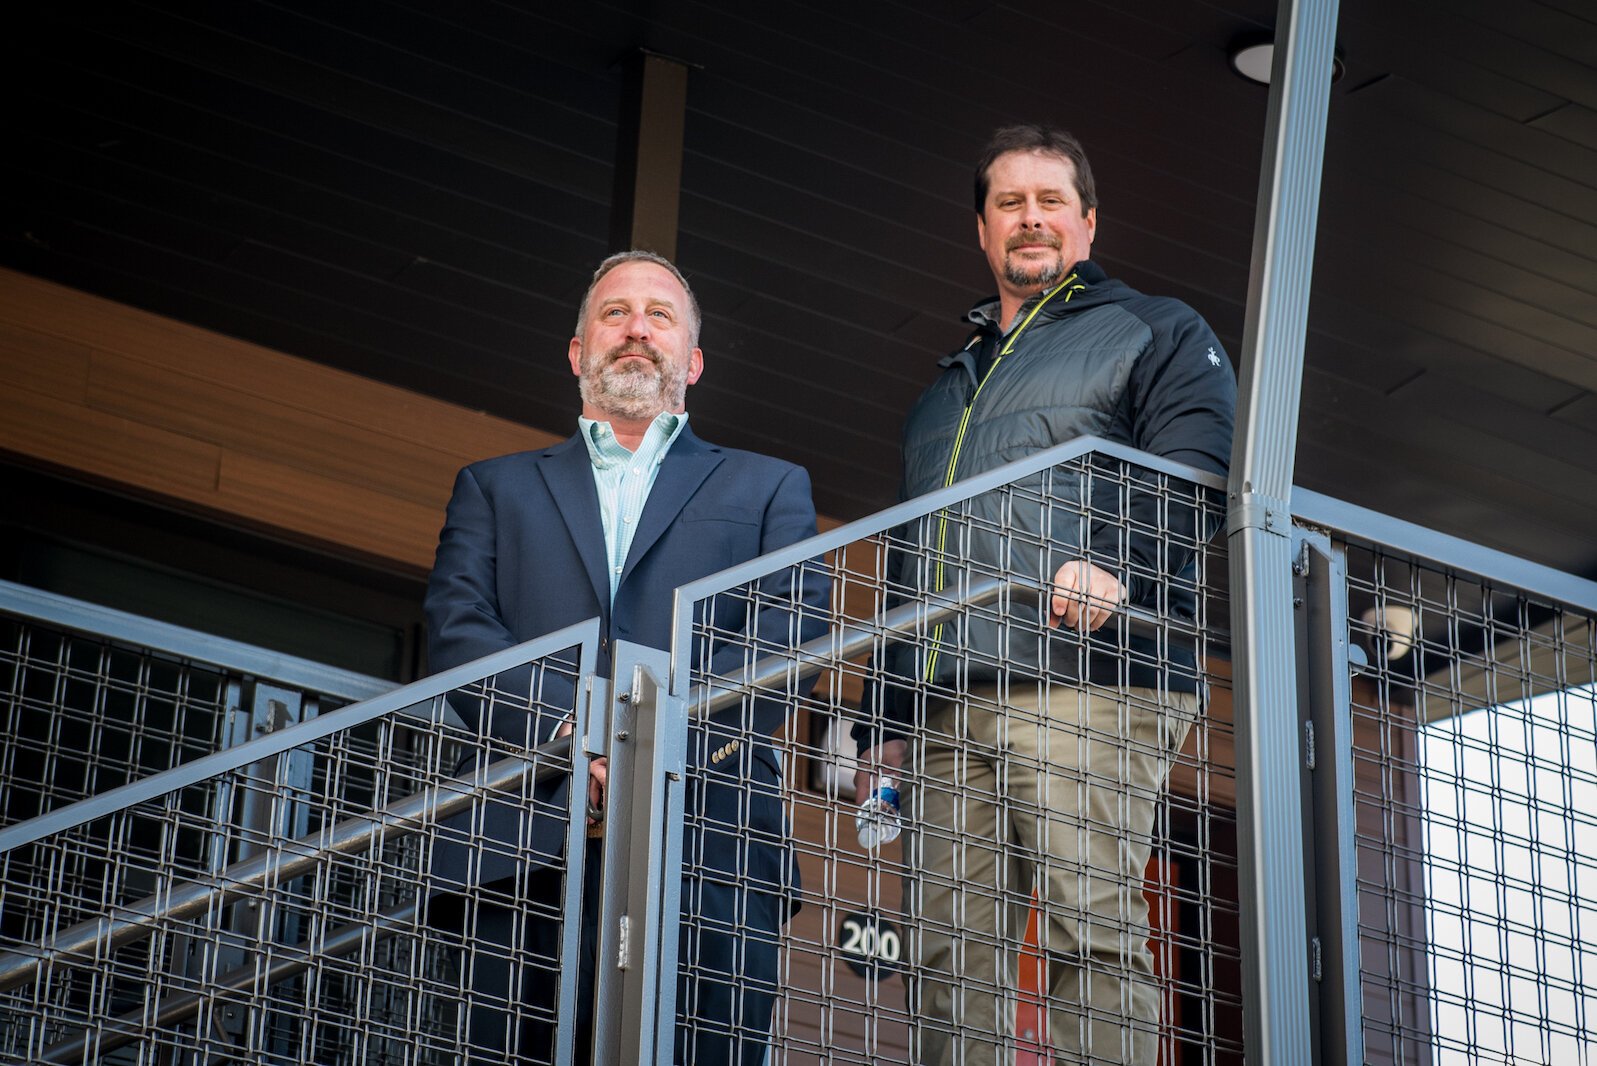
(1041, 740)
(607, 524)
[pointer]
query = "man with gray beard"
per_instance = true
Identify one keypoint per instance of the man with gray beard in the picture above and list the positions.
(608, 524)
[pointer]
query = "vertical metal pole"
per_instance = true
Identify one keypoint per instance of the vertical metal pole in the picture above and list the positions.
(635, 1005)
(1275, 941)
(265, 813)
(590, 727)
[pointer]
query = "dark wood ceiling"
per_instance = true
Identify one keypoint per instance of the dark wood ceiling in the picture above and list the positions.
(417, 192)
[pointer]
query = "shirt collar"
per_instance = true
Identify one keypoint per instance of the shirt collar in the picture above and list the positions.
(985, 315)
(604, 451)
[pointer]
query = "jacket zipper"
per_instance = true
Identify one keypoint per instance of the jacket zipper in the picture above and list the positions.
(940, 580)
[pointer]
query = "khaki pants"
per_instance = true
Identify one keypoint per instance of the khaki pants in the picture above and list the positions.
(1045, 789)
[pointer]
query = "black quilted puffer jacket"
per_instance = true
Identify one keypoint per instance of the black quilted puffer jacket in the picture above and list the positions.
(1091, 356)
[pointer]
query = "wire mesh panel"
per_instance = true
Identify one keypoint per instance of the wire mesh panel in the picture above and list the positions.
(1476, 802)
(1064, 888)
(81, 715)
(391, 888)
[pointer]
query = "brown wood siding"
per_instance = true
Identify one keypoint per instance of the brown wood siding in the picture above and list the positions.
(231, 429)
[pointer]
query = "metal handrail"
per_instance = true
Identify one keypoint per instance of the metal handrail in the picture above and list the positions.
(284, 964)
(286, 861)
(190, 645)
(264, 747)
(846, 642)
(411, 814)
(931, 503)
(356, 835)
(919, 507)
(1369, 527)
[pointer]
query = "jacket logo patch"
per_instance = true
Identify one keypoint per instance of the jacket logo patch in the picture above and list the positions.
(1214, 360)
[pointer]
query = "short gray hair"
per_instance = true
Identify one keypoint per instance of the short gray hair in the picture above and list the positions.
(638, 255)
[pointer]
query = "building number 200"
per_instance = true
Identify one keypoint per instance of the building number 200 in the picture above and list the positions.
(863, 938)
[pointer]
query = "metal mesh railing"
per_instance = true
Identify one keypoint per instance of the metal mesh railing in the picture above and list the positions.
(1069, 799)
(80, 715)
(1475, 745)
(382, 884)
(325, 894)
(91, 698)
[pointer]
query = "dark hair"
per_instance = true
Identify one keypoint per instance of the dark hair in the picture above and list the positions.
(1034, 138)
(639, 256)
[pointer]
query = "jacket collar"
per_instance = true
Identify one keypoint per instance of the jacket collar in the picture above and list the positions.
(568, 471)
(684, 469)
(985, 314)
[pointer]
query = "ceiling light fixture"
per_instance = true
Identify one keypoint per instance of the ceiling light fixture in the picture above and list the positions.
(1252, 56)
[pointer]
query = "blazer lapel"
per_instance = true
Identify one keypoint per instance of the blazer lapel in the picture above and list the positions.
(568, 472)
(686, 465)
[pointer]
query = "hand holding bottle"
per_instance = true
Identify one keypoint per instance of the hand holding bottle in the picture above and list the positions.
(878, 820)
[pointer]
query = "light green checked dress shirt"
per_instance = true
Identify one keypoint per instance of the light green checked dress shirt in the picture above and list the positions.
(624, 479)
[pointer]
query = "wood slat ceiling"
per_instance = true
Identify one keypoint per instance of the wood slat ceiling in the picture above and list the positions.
(417, 193)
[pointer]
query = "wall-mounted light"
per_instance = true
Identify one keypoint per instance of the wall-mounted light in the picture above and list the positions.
(1391, 628)
(1252, 56)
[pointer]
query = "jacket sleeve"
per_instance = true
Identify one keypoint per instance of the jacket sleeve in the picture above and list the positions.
(464, 622)
(1182, 397)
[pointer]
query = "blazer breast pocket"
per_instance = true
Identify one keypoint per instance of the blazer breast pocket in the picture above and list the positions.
(721, 534)
(713, 511)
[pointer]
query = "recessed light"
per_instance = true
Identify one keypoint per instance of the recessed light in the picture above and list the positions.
(1252, 60)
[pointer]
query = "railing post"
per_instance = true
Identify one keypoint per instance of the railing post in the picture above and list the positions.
(264, 810)
(639, 914)
(1275, 941)
(1325, 684)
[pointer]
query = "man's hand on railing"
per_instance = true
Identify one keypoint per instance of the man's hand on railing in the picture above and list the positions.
(1085, 596)
(598, 773)
(886, 758)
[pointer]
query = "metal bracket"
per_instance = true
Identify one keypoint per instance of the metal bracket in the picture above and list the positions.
(1255, 510)
(596, 738)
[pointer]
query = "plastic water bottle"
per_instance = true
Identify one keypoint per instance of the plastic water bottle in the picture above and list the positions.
(878, 819)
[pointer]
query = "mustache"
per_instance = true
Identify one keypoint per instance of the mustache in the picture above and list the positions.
(1042, 237)
(631, 348)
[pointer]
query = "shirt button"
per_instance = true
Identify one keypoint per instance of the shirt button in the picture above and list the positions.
(635, 470)
(619, 569)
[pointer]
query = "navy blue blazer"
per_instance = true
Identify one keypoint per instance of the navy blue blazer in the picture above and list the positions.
(522, 554)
